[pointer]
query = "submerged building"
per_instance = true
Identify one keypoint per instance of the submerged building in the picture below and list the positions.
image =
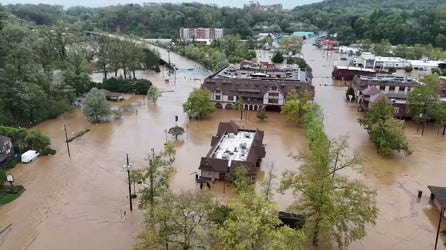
(232, 148)
(394, 90)
(257, 85)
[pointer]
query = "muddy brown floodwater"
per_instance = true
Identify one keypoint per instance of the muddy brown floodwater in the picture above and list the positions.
(76, 202)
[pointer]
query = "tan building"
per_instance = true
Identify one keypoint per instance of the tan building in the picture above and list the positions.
(257, 86)
(371, 89)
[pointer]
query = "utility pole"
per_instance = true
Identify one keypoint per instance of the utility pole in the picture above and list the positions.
(127, 167)
(66, 139)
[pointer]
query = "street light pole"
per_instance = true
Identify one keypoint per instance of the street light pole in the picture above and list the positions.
(128, 167)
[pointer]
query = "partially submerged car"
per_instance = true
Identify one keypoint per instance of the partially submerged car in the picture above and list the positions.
(29, 156)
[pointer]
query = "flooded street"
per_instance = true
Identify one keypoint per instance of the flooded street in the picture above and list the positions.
(404, 222)
(75, 203)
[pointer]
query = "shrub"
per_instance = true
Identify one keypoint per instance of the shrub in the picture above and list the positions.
(19, 189)
(126, 85)
(11, 164)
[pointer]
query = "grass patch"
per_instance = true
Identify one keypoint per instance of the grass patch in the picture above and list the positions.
(5, 199)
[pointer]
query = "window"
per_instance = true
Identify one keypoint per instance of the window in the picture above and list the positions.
(274, 94)
(217, 97)
(218, 91)
(230, 98)
(396, 110)
(391, 88)
(273, 100)
(274, 87)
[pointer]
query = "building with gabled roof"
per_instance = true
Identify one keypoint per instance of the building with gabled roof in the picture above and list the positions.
(259, 85)
(231, 148)
(5, 149)
(371, 89)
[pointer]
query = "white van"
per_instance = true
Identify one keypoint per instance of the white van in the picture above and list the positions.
(29, 156)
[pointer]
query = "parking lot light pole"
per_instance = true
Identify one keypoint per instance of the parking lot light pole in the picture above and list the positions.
(127, 168)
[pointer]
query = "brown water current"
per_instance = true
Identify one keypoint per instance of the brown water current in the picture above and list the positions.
(76, 202)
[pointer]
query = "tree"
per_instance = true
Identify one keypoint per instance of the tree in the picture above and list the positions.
(324, 196)
(440, 116)
(423, 100)
(37, 141)
(408, 69)
(350, 94)
(179, 221)
(240, 106)
(382, 48)
(292, 43)
(252, 222)
(295, 108)
(278, 57)
(392, 70)
(199, 104)
(384, 130)
(155, 177)
(96, 107)
(102, 51)
(153, 93)
(261, 113)
(176, 131)
(77, 70)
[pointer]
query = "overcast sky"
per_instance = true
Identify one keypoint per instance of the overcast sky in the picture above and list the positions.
(287, 4)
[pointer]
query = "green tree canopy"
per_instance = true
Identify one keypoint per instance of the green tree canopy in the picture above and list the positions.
(324, 196)
(423, 100)
(252, 222)
(96, 107)
(297, 108)
(240, 106)
(261, 113)
(199, 104)
(440, 116)
(178, 221)
(155, 176)
(384, 130)
(176, 131)
(278, 57)
(153, 93)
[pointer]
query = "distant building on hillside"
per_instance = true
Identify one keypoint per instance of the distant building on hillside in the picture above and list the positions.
(257, 6)
(209, 34)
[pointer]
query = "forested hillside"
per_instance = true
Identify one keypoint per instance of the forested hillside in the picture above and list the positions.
(400, 22)
(408, 5)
